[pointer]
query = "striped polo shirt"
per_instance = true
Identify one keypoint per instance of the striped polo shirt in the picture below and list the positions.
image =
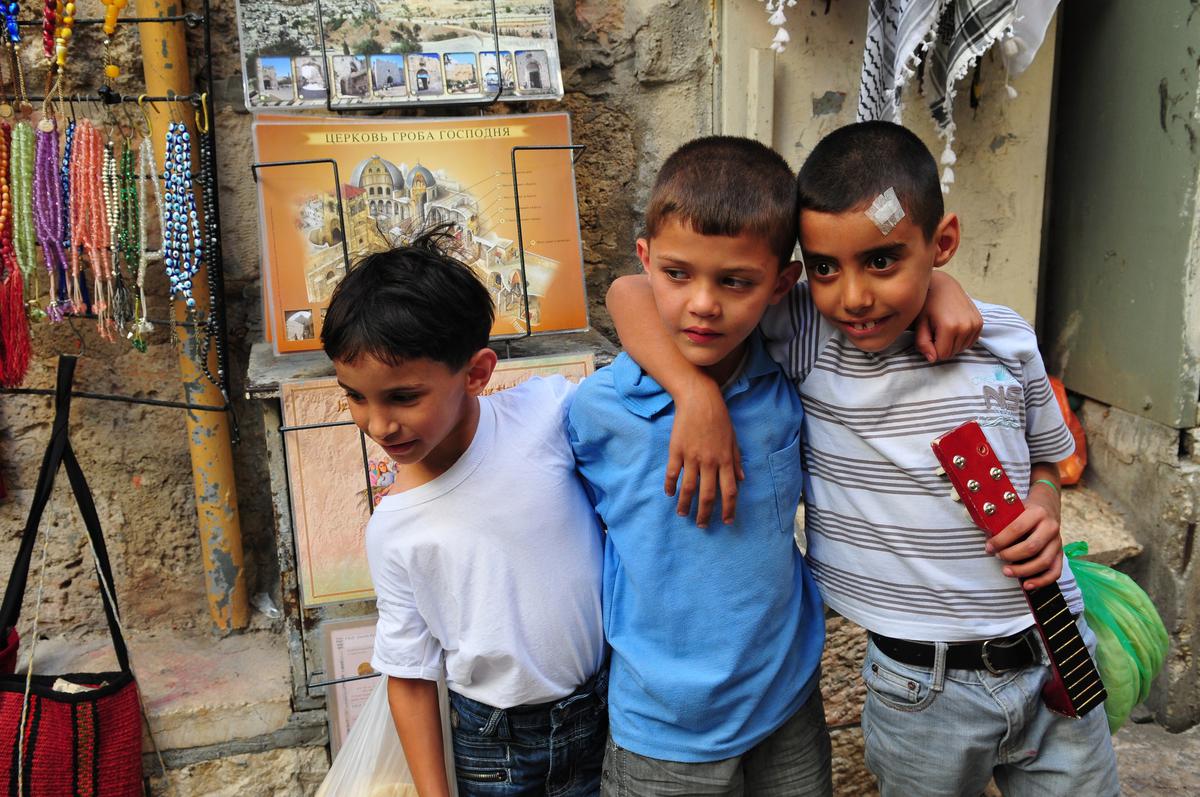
(888, 546)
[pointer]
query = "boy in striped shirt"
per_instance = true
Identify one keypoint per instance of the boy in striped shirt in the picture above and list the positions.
(889, 548)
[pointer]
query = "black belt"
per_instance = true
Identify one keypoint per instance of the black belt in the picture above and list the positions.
(993, 655)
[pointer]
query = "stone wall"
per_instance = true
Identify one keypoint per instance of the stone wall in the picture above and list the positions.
(1156, 470)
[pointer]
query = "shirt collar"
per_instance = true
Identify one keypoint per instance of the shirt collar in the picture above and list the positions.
(645, 397)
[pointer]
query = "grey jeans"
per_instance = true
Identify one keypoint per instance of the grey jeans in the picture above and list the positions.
(794, 761)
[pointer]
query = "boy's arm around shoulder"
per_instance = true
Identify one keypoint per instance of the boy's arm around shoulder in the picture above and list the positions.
(950, 322)
(418, 719)
(703, 457)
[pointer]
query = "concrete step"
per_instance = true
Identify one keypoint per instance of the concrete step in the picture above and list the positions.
(1088, 516)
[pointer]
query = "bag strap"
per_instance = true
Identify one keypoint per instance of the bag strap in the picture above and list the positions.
(59, 452)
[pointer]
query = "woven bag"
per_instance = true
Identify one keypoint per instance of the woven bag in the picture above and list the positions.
(86, 742)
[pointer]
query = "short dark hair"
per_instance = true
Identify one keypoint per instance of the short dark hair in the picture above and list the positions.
(724, 185)
(856, 163)
(411, 302)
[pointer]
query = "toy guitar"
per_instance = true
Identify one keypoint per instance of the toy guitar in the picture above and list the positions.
(981, 482)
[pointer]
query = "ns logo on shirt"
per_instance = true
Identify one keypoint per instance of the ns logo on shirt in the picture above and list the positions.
(1003, 404)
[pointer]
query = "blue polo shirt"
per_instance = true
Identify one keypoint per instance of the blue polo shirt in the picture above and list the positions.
(716, 633)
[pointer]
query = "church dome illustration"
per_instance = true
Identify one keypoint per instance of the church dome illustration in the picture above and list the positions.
(426, 177)
(377, 172)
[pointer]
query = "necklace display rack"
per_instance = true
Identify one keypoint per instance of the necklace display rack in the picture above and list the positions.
(213, 327)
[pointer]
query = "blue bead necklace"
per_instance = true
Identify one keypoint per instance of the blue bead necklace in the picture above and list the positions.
(183, 244)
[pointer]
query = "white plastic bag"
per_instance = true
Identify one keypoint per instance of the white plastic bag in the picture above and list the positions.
(371, 761)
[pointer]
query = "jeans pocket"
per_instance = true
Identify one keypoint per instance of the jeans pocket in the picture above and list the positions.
(481, 760)
(896, 686)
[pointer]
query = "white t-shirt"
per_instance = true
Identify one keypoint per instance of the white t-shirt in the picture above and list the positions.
(888, 546)
(494, 568)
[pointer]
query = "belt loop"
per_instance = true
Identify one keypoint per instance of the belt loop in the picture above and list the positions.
(940, 650)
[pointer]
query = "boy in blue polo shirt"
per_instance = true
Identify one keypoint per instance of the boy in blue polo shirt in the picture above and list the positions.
(716, 635)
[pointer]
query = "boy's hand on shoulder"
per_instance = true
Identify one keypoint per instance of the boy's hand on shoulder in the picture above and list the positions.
(1031, 546)
(703, 456)
(950, 322)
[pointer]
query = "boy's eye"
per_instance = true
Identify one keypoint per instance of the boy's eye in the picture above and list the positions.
(353, 397)
(881, 262)
(738, 283)
(676, 274)
(823, 269)
(403, 398)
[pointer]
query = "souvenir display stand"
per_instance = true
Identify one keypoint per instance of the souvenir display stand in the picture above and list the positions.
(332, 189)
(100, 278)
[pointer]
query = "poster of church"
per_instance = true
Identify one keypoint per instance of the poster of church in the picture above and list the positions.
(398, 177)
(359, 53)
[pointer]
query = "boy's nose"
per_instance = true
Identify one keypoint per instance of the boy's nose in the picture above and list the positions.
(703, 303)
(380, 426)
(856, 295)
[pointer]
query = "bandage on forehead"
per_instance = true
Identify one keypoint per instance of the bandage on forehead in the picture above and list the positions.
(885, 211)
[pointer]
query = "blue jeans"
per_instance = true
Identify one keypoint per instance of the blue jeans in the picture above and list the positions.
(553, 748)
(941, 732)
(794, 761)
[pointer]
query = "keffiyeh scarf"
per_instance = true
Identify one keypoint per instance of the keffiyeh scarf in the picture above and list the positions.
(950, 35)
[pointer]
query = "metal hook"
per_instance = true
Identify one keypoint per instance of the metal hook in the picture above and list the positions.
(202, 115)
(145, 114)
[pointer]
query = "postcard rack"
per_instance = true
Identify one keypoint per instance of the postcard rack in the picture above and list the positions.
(313, 680)
(349, 106)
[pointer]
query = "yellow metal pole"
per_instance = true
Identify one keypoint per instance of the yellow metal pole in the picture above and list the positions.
(165, 64)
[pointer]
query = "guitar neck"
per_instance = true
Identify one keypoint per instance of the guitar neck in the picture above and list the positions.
(986, 491)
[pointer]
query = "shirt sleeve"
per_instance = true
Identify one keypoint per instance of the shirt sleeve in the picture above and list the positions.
(792, 330)
(1046, 430)
(404, 646)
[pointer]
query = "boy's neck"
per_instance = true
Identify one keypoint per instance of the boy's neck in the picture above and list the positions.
(445, 454)
(721, 372)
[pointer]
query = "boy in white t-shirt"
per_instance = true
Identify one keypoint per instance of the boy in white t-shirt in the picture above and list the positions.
(486, 554)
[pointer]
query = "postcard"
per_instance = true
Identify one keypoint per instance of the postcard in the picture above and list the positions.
(347, 647)
(350, 77)
(336, 477)
(455, 34)
(425, 74)
(398, 177)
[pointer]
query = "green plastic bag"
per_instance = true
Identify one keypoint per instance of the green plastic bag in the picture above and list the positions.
(1131, 638)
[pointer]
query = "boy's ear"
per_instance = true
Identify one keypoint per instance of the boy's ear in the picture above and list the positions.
(786, 279)
(643, 253)
(946, 239)
(479, 370)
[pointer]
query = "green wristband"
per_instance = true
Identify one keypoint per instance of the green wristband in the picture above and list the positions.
(1048, 483)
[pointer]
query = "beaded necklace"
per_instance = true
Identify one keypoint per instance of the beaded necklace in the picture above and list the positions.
(112, 9)
(15, 351)
(89, 226)
(120, 308)
(62, 34)
(47, 211)
(75, 300)
(147, 171)
(20, 174)
(50, 13)
(212, 247)
(183, 247)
